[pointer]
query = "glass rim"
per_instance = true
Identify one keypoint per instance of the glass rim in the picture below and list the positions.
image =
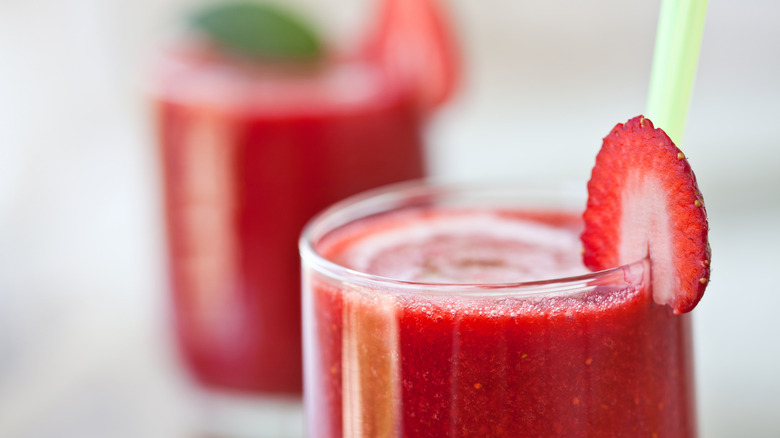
(235, 86)
(392, 195)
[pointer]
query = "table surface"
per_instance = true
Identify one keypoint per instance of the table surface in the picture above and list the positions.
(84, 345)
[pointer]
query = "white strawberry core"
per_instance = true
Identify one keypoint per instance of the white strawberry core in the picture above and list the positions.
(645, 228)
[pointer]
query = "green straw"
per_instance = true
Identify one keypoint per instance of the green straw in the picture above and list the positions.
(678, 38)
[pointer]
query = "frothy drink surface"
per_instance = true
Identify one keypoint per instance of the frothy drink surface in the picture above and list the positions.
(464, 247)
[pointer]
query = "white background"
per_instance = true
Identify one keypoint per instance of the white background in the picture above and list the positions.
(84, 350)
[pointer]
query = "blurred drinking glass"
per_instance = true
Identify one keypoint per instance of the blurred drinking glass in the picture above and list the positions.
(252, 145)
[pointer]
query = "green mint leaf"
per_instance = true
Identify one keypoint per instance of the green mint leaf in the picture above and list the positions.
(259, 31)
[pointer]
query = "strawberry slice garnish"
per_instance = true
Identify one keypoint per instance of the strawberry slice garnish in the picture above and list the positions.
(413, 39)
(643, 200)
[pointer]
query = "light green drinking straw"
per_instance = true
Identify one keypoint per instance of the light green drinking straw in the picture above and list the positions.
(678, 38)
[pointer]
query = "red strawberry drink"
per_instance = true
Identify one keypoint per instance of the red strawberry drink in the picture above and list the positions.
(443, 312)
(250, 151)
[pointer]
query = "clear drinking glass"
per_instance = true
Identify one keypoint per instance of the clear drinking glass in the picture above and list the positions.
(447, 311)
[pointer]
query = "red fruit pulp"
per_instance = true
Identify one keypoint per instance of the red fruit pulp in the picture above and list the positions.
(605, 361)
(248, 157)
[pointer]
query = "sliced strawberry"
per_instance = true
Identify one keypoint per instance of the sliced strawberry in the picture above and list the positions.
(643, 199)
(413, 40)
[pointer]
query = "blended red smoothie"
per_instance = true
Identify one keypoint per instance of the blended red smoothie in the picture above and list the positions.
(598, 359)
(249, 154)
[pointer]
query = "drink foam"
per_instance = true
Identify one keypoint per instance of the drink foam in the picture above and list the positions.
(463, 247)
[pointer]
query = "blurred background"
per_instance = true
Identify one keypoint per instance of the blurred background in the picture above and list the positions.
(85, 349)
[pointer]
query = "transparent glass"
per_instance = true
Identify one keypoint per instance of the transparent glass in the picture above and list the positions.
(588, 355)
(248, 156)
